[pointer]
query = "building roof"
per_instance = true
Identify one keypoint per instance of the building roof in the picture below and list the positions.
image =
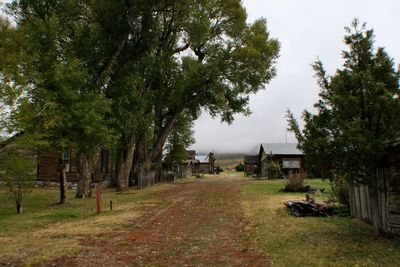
(202, 158)
(191, 154)
(281, 149)
(11, 139)
(250, 159)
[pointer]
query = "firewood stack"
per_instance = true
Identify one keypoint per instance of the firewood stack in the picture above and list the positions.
(304, 208)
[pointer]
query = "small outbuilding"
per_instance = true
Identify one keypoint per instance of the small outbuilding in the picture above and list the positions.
(205, 163)
(47, 162)
(250, 165)
(287, 155)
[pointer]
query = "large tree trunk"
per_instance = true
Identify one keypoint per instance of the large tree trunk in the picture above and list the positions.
(86, 169)
(124, 164)
(158, 168)
(19, 208)
(142, 163)
(63, 183)
(163, 135)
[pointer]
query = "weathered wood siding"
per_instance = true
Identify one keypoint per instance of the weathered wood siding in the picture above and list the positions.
(279, 159)
(146, 178)
(48, 167)
(250, 169)
(388, 181)
(184, 171)
(203, 168)
(393, 194)
(27, 154)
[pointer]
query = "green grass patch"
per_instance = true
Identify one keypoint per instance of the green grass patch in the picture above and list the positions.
(309, 241)
(41, 208)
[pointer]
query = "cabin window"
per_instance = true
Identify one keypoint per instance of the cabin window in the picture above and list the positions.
(291, 163)
(67, 159)
(104, 161)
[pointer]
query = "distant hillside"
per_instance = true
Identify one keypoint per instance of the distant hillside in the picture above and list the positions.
(228, 161)
(219, 156)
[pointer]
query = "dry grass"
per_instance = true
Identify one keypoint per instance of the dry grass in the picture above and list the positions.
(228, 164)
(46, 230)
(291, 241)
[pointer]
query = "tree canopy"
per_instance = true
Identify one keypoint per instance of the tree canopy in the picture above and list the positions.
(123, 73)
(357, 113)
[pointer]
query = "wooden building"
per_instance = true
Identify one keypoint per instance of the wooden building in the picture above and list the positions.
(47, 162)
(388, 183)
(48, 165)
(12, 146)
(287, 155)
(205, 164)
(250, 165)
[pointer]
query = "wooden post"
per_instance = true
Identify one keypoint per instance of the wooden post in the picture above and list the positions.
(98, 198)
(63, 183)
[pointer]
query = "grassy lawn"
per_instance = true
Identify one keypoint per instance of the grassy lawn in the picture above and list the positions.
(57, 229)
(308, 241)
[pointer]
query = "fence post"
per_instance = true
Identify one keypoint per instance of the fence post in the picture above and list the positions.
(98, 198)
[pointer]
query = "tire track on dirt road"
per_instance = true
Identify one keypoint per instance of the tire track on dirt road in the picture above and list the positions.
(203, 225)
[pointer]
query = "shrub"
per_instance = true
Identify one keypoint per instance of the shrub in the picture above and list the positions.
(295, 181)
(273, 169)
(18, 175)
(340, 190)
(240, 167)
(218, 169)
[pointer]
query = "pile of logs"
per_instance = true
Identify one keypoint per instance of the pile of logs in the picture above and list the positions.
(303, 208)
(310, 208)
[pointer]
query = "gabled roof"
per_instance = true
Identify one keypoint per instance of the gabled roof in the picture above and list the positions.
(10, 139)
(202, 158)
(191, 154)
(250, 159)
(281, 149)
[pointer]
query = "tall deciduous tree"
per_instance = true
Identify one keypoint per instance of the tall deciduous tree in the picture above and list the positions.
(64, 61)
(206, 57)
(141, 65)
(357, 114)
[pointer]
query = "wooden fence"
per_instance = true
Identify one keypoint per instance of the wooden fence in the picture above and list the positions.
(359, 197)
(388, 184)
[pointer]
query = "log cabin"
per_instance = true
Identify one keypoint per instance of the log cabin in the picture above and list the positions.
(205, 163)
(250, 165)
(287, 155)
(47, 162)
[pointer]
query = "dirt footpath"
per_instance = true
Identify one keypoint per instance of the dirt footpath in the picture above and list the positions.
(202, 225)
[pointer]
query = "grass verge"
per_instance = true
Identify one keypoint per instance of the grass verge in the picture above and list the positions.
(47, 230)
(309, 241)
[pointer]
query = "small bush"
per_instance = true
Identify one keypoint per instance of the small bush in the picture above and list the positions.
(295, 182)
(218, 169)
(340, 191)
(18, 177)
(273, 169)
(240, 167)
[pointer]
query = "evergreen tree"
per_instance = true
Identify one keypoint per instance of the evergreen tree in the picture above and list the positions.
(357, 114)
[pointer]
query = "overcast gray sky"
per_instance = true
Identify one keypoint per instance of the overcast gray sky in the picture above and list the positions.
(306, 29)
